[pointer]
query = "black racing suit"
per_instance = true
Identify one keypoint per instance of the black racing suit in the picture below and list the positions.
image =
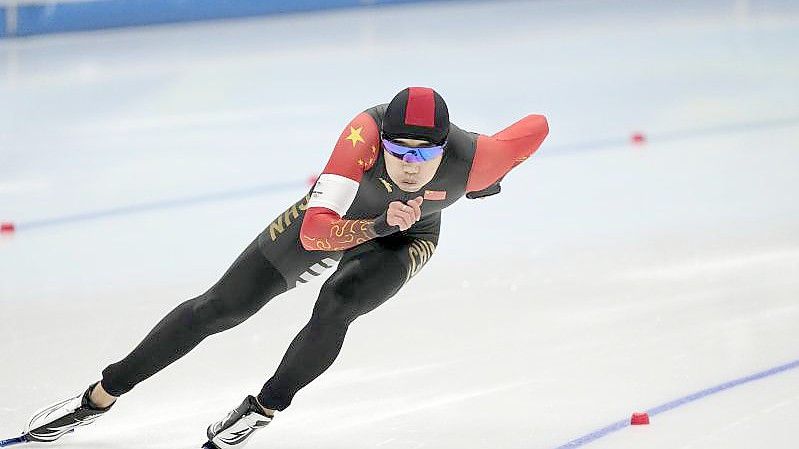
(367, 275)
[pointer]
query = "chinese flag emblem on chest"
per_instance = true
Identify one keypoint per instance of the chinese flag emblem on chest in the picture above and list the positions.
(435, 194)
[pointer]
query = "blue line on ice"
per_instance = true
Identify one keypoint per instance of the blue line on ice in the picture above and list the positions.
(618, 425)
(165, 204)
(551, 150)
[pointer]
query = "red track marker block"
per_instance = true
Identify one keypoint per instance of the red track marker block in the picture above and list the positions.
(638, 139)
(639, 419)
(7, 227)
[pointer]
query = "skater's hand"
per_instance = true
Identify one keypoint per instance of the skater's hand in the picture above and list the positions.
(404, 215)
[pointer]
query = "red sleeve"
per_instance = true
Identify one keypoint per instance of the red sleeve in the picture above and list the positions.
(496, 155)
(356, 148)
(354, 153)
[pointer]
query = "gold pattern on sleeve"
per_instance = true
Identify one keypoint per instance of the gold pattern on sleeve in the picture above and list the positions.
(348, 233)
(320, 243)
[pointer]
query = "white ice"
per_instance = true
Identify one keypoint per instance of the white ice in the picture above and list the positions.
(606, 278)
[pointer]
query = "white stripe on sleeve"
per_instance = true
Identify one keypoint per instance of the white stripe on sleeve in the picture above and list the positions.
(334, 192)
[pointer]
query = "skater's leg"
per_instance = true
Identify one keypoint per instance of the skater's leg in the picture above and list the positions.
(246, 286)
(99, 397)
(366, 277)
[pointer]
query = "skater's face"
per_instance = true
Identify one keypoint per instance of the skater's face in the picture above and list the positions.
(411, 176)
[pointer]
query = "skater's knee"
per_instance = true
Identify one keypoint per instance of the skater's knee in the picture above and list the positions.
(336, 304)
(211, 313)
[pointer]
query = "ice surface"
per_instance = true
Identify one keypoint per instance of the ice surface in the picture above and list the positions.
(606, 278)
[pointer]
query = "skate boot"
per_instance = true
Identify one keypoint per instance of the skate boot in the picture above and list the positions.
(236, 428)
(53, 421)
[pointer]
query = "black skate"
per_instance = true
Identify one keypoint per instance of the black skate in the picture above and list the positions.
(53, 421)
(236, 428)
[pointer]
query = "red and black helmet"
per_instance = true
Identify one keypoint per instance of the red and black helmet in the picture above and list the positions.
(417, 113)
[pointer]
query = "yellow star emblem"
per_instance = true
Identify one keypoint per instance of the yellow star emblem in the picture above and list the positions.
(355, 136)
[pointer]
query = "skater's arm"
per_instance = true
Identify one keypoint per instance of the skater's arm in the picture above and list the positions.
(345, 234)
(335, 190)
(496, 155)
(325, 230)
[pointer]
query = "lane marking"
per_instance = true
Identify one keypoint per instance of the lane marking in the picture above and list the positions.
(551, 150)
(618, 425)
(159, 205)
